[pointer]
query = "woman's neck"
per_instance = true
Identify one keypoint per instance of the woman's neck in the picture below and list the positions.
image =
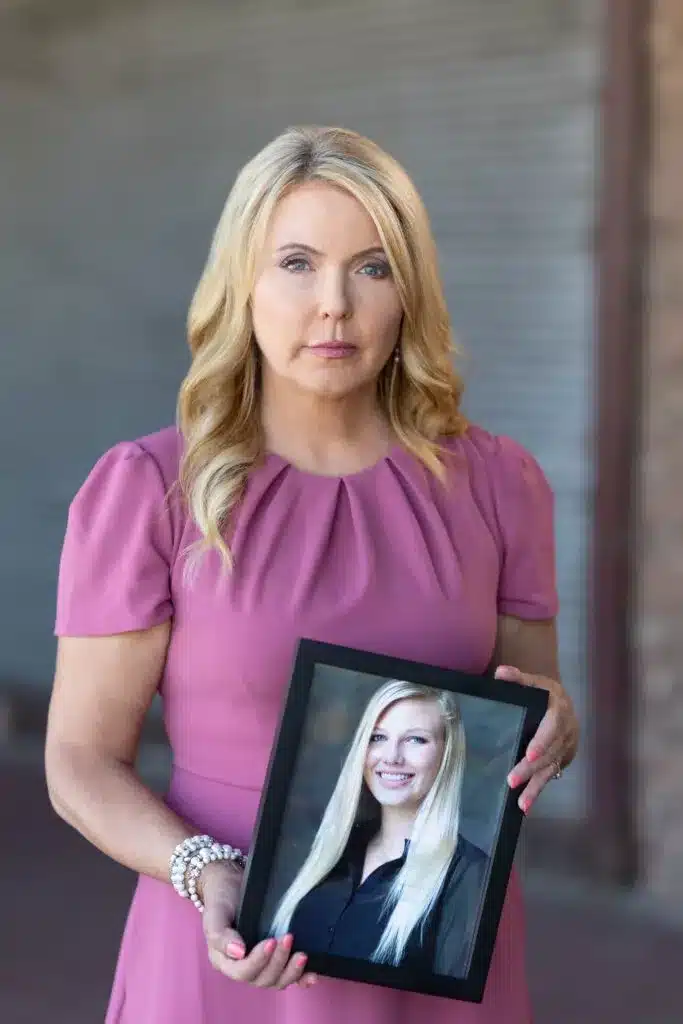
(331, 436)
(395, 827)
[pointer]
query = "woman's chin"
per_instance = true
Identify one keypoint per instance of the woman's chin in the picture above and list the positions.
(394, 797)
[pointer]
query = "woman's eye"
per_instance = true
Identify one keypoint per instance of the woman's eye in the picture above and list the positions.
(418, 739)
(296, 264)
(377, 270)
(376, 737)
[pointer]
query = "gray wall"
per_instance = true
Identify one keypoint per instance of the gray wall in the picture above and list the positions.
(123, 125)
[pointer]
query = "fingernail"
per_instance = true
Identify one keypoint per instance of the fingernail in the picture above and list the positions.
(311, 981)
(513, 780)
(301, 960)
(234, 950)
(525, 805)
(287, 941)
(270, 946)
(532, 755)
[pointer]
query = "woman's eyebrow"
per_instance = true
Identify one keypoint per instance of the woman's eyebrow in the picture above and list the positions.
(375, 250)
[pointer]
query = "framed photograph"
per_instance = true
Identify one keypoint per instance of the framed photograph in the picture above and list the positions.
(387, 830)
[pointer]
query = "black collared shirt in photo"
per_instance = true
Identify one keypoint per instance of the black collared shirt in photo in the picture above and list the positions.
(345, 917)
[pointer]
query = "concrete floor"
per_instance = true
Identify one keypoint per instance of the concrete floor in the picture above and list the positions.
(592, 959)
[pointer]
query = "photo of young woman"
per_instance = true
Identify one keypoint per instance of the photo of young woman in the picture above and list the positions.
(389, 877)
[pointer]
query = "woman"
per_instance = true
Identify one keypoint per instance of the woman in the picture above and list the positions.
(321, 471)
(391, 832)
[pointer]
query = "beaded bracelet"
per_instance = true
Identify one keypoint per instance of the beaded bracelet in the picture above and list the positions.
(189, 859)
(197, 865)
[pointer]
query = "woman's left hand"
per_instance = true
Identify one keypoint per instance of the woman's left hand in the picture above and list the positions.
(554, 745)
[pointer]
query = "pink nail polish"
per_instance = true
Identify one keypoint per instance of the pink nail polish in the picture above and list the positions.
(531, 755)
(301, 960)
(287, 942)
(525, 804)
(513, 781)
(270, 946)
(234, 950)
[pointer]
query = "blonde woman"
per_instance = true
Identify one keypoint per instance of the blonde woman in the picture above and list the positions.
(388, 858)
(323, 482)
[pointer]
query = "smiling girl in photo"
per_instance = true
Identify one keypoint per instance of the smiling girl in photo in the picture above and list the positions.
(388, 866)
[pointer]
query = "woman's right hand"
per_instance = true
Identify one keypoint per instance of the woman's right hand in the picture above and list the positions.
(270, 964)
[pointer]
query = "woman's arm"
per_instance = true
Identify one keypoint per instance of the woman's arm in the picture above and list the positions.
(529, 645)
(103, 688)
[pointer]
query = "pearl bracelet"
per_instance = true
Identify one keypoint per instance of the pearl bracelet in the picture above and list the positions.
(189, 859)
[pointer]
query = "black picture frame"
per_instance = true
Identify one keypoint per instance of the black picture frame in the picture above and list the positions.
(528, 705)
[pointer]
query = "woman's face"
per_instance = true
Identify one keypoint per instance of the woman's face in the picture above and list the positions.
(326, 311)
(405, 752)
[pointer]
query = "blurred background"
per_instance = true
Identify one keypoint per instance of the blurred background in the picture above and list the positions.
(546, 137)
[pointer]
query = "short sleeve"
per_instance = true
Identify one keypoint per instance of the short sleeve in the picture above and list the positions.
(525, 510)
(114, 573)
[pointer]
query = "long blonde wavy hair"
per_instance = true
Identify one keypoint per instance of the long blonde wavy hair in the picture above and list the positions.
(435, 832)
(218, 402)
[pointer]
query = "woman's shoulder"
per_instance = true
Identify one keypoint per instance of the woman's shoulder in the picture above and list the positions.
(480, 447)
(164, 447)
(130, 478)
(499, 467)
(147, 464)
(122, 529)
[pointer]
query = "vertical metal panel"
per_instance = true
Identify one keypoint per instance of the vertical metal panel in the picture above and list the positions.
(622, 253)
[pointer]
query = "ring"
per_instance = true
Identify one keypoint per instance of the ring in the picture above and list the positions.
(558, 769)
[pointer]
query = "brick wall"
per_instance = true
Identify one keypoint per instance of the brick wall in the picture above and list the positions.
(660, 712)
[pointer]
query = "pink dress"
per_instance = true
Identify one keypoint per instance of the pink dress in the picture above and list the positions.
(387, 560)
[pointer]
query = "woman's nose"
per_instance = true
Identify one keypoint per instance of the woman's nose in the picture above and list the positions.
(334, 297)
(393, 754)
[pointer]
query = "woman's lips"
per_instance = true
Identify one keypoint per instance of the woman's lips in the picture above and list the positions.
(333, 349)
(394, 780)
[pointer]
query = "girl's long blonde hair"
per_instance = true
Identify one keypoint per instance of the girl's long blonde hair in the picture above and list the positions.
(435, 832)
(218, 403)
